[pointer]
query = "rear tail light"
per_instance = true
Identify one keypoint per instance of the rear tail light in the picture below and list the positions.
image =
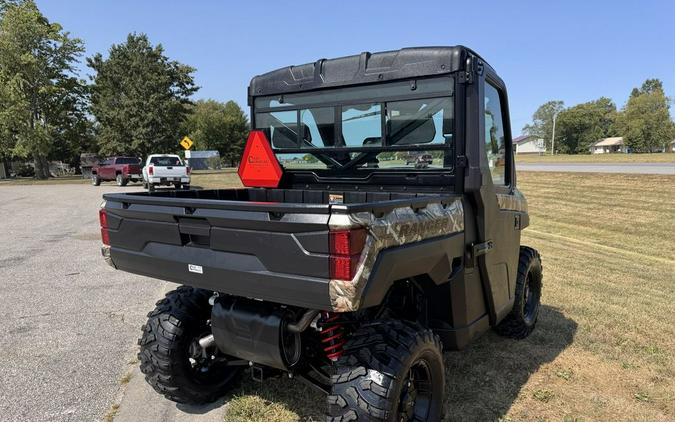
(151, 170)
(345, 251)
(188, 171)
(103, 219)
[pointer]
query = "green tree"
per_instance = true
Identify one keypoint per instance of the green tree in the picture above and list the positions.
(542, 121)
(237, 132)
(645, 121)
(139, 97)
(579, 127)
(213, 125)
(39, 83)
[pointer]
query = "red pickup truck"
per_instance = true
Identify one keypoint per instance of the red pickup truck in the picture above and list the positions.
(120, 169)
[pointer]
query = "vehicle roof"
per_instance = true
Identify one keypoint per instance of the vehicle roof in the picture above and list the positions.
(362, 68)
(163, 155)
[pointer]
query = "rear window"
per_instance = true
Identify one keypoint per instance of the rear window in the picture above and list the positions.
(128, 160)
(166, 161)
(395, 125)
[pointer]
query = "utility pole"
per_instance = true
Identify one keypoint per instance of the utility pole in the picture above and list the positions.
(555, 116)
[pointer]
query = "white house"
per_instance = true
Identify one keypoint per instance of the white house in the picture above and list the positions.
(608, 145)
(528, 145)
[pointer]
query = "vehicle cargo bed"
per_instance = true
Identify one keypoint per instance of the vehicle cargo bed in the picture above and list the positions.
(269, 244)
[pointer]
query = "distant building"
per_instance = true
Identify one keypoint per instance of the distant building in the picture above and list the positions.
(527, 144)
(608, 146)
(203, 160)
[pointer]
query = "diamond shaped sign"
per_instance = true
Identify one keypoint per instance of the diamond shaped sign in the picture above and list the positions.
(259, 166)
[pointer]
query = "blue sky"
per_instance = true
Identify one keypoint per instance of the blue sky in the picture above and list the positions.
(574, 51)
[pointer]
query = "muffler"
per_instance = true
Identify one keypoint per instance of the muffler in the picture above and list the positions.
(255, 331)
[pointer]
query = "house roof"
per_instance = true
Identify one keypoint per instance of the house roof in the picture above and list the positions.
(522, 138)
(609, 142)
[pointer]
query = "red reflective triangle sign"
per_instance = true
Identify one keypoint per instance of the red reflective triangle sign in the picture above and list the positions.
(259, 167)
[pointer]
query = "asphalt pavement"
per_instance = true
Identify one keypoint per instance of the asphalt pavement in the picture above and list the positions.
(69, 322)
(631, 168)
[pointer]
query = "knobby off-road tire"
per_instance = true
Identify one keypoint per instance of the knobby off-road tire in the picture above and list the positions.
(168, 343)
(386, 366)
(523, 317)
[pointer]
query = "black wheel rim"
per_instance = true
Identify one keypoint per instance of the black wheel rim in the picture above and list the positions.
(530, 300)
(416, 393)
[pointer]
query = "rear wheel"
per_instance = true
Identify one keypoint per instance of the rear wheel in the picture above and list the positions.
(171, 358)
(391, 371)
(151, 187)
(121, 180)
(95, 180)
(177, 185)
(523, 317)
(186, 187)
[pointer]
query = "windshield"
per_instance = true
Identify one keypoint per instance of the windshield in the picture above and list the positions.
(399, 125)
(128, 160)
(166, 161)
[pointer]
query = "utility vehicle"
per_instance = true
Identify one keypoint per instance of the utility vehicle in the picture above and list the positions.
(339, 264)
(165, 170)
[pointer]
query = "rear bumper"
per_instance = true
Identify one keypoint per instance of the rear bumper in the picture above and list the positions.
(168, 180)
(224, 272)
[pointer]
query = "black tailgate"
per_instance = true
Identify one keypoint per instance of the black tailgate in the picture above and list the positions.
(271, 251)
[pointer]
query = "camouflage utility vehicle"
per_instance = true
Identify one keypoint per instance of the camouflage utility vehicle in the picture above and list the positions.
(342, 262)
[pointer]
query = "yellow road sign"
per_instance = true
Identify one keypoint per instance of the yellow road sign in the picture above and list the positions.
(186, 142)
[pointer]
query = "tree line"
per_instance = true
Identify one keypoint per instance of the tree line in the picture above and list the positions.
(136, 101)
(644, 122)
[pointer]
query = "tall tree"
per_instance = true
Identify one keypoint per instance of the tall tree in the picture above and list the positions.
(645, 121)
(542, 121)
(218, 126)
(580, 126)
(139, 97)
(37, 71)
(237, 132)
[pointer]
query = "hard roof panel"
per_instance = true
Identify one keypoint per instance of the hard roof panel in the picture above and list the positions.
(361, 69)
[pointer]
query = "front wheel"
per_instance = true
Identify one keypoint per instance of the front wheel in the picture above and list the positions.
(171, 358)
(523, 317)
(391, 371)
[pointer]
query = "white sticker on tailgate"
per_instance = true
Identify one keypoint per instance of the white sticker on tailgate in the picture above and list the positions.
(195, 269)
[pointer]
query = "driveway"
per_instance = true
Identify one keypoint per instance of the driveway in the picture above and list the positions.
(70, 322)
(635, 168)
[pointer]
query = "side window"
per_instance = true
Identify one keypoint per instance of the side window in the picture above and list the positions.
(495, 146)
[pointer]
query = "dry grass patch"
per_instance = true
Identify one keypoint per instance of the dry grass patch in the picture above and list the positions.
(215, 179)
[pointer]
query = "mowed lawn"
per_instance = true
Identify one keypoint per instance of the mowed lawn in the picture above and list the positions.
(604, 347)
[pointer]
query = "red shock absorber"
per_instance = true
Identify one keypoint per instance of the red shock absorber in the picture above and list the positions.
(333, 336)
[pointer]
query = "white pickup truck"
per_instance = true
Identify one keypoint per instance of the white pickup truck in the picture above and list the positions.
(165, 170)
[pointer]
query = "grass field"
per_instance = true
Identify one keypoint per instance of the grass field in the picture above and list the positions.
(604, 347)
(597, 158)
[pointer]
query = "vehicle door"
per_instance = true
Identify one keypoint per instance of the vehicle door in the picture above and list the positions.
(498, 204)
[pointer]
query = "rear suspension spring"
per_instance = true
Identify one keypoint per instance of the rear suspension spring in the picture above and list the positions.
(332, 336)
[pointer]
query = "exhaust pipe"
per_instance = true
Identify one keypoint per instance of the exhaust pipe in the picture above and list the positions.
(207, 341)
(303, 323)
